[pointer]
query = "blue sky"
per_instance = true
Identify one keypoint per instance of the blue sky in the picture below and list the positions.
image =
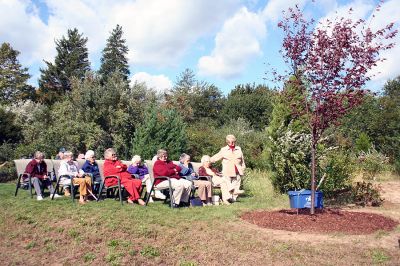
(225, 42)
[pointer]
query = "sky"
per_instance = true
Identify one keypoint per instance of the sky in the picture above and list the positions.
(225, 42)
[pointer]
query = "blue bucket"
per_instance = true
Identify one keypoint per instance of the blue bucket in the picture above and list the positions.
(302, 199)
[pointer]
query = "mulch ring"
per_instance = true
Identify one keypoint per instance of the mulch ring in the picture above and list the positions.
(323, 221)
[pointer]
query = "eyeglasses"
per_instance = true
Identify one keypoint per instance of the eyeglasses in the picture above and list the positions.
(113, 155)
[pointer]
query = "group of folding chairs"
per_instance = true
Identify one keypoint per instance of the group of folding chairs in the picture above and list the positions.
(24, 181)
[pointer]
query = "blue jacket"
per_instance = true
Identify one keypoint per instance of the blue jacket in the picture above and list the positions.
(92, 169)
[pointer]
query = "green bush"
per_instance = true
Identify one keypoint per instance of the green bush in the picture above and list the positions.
(337, 167)
(372, 163)
(7, 172)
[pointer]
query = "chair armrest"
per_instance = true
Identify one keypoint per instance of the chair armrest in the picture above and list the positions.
(111, 176)
(205, 177)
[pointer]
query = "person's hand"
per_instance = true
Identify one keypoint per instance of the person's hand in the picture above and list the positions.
(118, 166)
(45, 177)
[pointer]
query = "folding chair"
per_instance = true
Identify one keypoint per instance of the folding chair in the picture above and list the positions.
(113, 189)
(24, 179)
(170, 190)
(72, 187)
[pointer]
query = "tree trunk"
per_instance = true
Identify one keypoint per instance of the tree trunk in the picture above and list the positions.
(313, 150)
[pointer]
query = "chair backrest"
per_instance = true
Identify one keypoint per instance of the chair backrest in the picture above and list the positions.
(20, 165)
(126, 162)
(100, 164)
(49, 164)
(149, 164)
(196, 166)
(56, 166)
(81, 162)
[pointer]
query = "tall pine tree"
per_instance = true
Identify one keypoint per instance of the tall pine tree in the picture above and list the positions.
(114, 56)
(13, 77)
(161, 129)
(71, 61)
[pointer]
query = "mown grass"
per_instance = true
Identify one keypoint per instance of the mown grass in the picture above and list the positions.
(106, 233)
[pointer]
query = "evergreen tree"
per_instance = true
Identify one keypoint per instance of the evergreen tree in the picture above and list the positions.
(71, 61)
(13, 77)
(193, 99)
(162, 129)
(114, 55)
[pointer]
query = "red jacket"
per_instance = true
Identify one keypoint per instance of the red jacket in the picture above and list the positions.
(36, 169)
(110, 168)
(165, 168)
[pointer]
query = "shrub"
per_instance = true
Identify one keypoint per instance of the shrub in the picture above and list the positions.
(7, 172)
(372, 163)
(290, 160)
(337, 167)
(367, 194)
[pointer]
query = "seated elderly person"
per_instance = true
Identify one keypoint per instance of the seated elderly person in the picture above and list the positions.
(217, 179)
(112, 166)
(165, 167)
(139, 169)
(69, 167)
(90, 167)
(204, 186)
(37, 168)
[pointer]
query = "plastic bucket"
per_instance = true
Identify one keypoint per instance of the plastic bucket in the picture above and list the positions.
(302, 199)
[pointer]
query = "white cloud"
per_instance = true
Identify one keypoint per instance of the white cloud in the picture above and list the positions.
(273, 10)
(158, 82)
(388, 13)
(235, 45)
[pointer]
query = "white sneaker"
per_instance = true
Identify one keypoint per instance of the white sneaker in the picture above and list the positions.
(159, 195)
(39, 198)
(57, 196)
(151, 199)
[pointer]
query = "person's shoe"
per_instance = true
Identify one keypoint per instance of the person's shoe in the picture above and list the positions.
(130, 201)
(238, 192)
(159, 195)
(67, 193)
(39, 198)
(151, 200)
(57, 196)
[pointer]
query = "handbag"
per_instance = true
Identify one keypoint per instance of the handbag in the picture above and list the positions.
(196, 201)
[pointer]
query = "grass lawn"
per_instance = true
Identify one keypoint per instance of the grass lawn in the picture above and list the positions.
(106, 233)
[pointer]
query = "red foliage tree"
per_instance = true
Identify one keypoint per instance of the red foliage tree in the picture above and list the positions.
(331, 62)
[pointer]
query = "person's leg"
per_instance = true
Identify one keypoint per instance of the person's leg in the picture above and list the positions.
(133, 186)
(201, 189)
(186, 189)
(82, 188)
(236, 186)
(37, 184)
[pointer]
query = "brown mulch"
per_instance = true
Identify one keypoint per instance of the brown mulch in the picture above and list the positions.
(324, 221)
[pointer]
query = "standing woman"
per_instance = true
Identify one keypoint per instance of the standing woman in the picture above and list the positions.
(233, 166)
(112, 166)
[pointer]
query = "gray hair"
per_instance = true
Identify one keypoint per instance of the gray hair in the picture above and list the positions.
(161, 152)
(205, 158)
(136, 159)
(108, 153)
(183, 157)
(68, 154)
(38, 155)
(89, 154)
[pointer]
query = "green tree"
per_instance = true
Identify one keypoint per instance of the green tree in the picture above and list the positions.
(161, 129)
(13, 77)
(194, 99)
(9, 129)
(251, 102)
(114, 55)
(71, 61)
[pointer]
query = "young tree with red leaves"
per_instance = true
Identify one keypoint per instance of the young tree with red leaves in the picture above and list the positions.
(332, 63)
